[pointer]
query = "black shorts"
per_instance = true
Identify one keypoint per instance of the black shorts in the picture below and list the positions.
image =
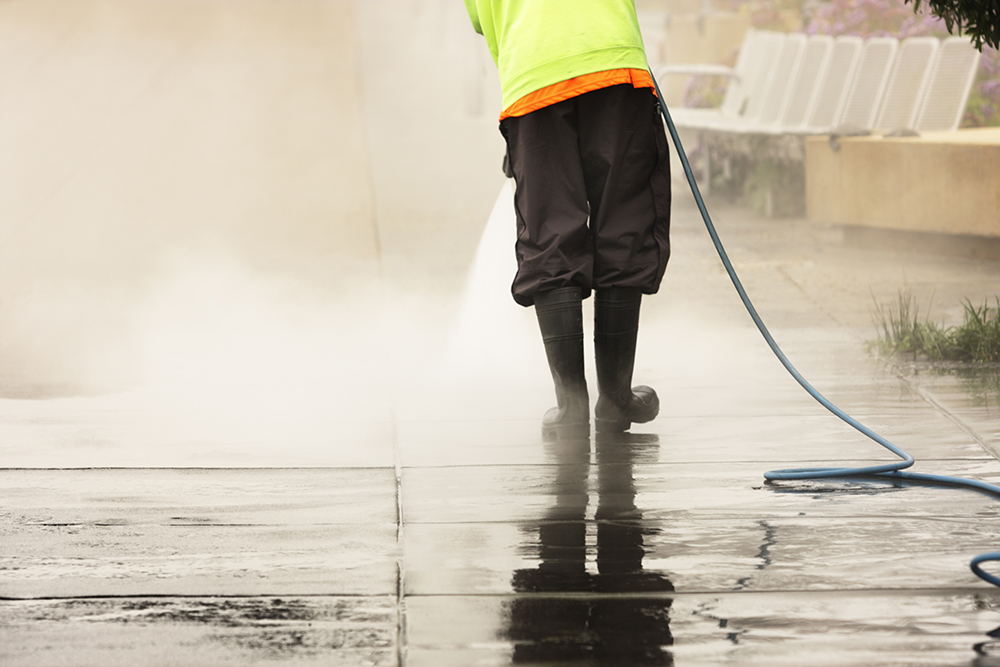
(592, 195)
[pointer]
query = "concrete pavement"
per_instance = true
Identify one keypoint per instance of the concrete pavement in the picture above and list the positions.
(459, 537)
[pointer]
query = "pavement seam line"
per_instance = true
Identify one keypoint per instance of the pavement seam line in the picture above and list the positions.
(955, 419)
(400, 564)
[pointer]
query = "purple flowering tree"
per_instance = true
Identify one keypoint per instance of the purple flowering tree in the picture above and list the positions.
(872, 18)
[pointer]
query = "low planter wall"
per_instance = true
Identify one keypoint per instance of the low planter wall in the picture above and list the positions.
(939, 183)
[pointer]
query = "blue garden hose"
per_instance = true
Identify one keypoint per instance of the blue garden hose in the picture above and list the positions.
(889, 470)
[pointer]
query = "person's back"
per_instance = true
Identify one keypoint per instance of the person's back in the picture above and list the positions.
(538, 43)
(589, 157)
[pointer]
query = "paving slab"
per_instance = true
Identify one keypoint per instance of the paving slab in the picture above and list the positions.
(132, 533)
(201, 631)
(919, 627)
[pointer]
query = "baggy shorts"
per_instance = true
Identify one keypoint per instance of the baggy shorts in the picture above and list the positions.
(592, 193)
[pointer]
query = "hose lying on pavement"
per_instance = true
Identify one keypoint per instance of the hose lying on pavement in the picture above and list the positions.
(892, 471)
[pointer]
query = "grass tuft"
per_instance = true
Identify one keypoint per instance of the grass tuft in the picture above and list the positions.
(901, 331)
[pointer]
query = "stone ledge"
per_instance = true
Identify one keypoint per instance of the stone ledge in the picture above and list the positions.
(938, 183)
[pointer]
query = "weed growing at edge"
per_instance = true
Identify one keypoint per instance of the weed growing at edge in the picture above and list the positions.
(901, 331)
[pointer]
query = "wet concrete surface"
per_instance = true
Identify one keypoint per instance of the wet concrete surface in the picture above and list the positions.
(356, 476)
(259, 630)
(128, 532)
(473, 541)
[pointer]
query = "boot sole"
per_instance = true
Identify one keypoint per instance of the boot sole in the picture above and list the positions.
(623, 424)
(612, 425)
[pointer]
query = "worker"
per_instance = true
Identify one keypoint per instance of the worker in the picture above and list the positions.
(589, 157)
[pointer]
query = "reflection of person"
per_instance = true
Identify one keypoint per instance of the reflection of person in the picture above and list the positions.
(602, 629)
(588, 153)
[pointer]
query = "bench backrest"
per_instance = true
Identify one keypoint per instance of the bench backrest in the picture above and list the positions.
(949, 85)
(869, 84)
(828, 104)
(907, 84)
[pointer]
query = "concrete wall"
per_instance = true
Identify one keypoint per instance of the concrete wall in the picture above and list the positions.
(340, 144)
(941, 182)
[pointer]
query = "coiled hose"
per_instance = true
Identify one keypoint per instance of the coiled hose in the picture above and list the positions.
(889, 470)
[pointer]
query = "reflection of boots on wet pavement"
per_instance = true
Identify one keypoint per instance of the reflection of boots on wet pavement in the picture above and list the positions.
(616, 326)
(560, 319)
(602, 624)
(621, 529)
(632, 631)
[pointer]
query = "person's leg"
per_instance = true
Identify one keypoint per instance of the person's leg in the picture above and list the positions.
(554, 251)
(626, 166)
(616, 327)
(560, 319)
(554, 247)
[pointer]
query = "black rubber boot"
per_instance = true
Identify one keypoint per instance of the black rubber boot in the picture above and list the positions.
(560, 319)
(616, 326)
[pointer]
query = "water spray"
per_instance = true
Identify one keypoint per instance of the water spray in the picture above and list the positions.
(891, 471)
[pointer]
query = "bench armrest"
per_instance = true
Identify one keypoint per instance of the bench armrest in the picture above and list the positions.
(696, 68)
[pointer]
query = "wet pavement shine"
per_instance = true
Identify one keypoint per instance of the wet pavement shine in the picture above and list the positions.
(358, 477)
(476, 542)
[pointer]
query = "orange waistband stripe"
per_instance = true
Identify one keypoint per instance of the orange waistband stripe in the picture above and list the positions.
(564, 90)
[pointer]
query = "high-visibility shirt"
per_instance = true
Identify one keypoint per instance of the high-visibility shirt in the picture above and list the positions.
(562, 48)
